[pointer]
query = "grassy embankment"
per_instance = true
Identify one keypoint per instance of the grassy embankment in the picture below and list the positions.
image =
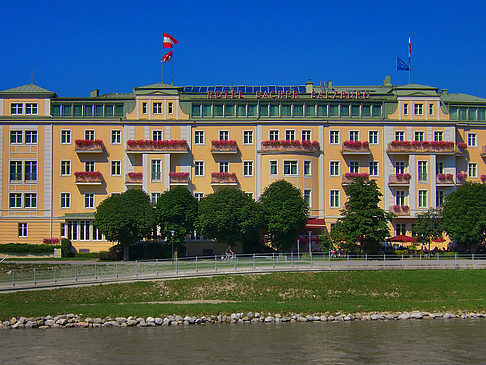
(352, 291)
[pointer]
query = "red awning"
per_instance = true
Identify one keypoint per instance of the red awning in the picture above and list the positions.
(401, 238)
(438, 239)
(315, 223)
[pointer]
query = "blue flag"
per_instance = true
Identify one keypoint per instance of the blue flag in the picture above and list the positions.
(402, 66)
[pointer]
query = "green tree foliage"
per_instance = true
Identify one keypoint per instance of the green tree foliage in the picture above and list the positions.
(428, 226)
(363, 225)
(285, 213)
(125, 218)
(229, 216)
(464, 215)
(66, 248)
(176, 211)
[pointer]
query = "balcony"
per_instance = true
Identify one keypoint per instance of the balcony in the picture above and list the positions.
(223, 178)
(224, 146)
(88, 146)
(134, 178)
(399, 180)
(350, 177)
(461, 148)
(151, 146)
(269, 147)
(179, 178)
(421, 147)
(461, 178)
(356, 148)
(445, 179)
(483, 151)
(88, 178)
(400, 210)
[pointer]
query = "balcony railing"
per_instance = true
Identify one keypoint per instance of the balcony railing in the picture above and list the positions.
(151, 146)
(349, 177)
(134, 178)
(436, 147)
(355, 147)
(400, 210)
(291, 146)
(223, 178)
(88, 146)
(445, 179)
(399, 179)
(179, 178)
(88, 178)
(224, 146)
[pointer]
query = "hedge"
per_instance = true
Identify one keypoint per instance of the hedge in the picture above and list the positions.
(27, 248)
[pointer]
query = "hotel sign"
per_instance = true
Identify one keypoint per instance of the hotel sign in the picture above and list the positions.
(292, 94)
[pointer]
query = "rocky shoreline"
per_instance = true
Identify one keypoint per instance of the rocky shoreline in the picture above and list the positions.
(78, 321)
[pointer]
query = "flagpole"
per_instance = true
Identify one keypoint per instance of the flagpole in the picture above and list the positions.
(162, 71)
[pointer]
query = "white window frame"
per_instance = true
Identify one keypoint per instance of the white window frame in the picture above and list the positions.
(400, 167)
(22, 227)
(438, 136)
(472, 139)
(198, 136)
(90, 166)
(309, 191)
(89, 134)
(423, 199)
(376, 137)
(275, 164)
(337, 166)
(15, 107)
(170, 107)
(425, 166)
(224, 166)
(32, 135)
(405, 108)
(334, 199)
(248, 165)
(18, 200)
(293, 165)
(66, 133)
(31, 198)
(334, 137)
(377, 168)
(352, 165)
(114, 164)
(400, 136)
(418, 109)
(33, 108)
(89, 200)
(419, 136)
(154, 198)
(248, 137)
(290, 133)
(199, 165)
(116, 136)
(66, 163)
(198, 196)
(354, 135)
(157, 108)
(306, 134)
(431, 109)
(274, 132)
(472, 169)
(63, 198)
(18, 134)
(19, 169)
(224, 135)
(156, 171)
(32, 165)
(305, 164)
(157, 135)
(400, 197)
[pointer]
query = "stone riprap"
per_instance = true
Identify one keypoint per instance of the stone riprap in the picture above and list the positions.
(79, 321)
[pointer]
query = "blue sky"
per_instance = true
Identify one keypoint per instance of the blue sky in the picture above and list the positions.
(76, 46)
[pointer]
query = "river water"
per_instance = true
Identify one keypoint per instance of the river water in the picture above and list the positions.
(394, 342)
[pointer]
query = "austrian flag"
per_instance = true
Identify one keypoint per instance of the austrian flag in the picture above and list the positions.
(167, 57)
(169, 41)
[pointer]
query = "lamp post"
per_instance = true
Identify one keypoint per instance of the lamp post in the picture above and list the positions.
(310, 244)
(172, 241)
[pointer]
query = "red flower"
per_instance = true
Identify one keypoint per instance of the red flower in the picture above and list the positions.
(179, 175)
(462, 145)
(353, 175)
(51, 241)
(135, 175)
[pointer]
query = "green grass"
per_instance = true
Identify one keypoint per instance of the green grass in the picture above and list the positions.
(349, 291)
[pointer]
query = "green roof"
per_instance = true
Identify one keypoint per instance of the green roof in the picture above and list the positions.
(28, 89)
(460, 97)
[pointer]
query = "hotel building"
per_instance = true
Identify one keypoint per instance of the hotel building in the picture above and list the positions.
(61, 156)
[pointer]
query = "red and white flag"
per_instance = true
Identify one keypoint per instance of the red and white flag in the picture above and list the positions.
(409, 49)
(169, 41)
(167, 57)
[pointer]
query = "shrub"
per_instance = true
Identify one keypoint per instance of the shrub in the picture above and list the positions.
(27, 248)
(66, 248)
(401, 252)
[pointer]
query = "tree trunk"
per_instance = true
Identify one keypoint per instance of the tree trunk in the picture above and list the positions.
(126, 256)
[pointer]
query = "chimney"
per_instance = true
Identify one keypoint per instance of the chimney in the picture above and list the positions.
(309, 86)
(329, 84)
(387, 81)
(445, 91)
(94, 93)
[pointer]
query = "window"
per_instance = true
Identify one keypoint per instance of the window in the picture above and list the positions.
(400, 229)
(250, 195)
(422, 171)
(229, 110)
(72, 230)
(223, 166)
(65, 168)
(274, 135)
(22, 228)
(399, 167)
(307, 168)
(399, 136)
(89, 200)
(373, 137)
(289, 135)
(274, 168)
(310, 110)
(15, 200)
(144, 108)
(198, 196)
(84, 231)
(156, 168)
(472, 140)
(419, 136)
(438, 136)
(223, 135)
(431, 109)
(196, 110)
(290, 168)
(374, 168)
(241, 110)
(109, 110)
(30, 170)
(30, 200)
(334, 168)
(154, 198)
(15, 137)
(31, 108)
(400, 197)
(439, 167)
(344, 110)
(115, 168)
(31, 137)
(157, 108)
(218, 110)
(354, 135)
(65, 200)
(16, 109)
(207, 110)
(15, 171)
(274, 110)
(247, 137)
(472, 169)
(198, 168)
(355, 110)
(157, 135)
(252, 110)
(247, 168)
(298, 110)
(354, 166)
(65, 137)
(67, 110)
(97, 236)
(322, 110)
(419, 109)
(88, 110)
(307, 197)
(170, 107)
(439, 198)
(89, 134)
(116, 137)
(199, 137)
(335, 201)
(422, 195)
(405, 109)
(306, 135)
(89, 166)
(334, 137)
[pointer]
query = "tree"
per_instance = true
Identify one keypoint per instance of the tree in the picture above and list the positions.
(363, 225)
(176, 213)
(229, 215)
(285, 213)
(428, 225)
(125, 218)
(464, 215)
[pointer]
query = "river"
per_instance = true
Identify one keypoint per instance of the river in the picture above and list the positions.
(394, 342)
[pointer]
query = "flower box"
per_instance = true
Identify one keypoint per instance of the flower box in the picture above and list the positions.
(223, 178)
(88, 177)
(462, 145)
(142, 145)
(356, 147)
(88, 145)
(401, 209)
(349, 177)
(134, 178)
(461, 176)
(291, 146)
(179, 177)
(422, 146)
(403, 179)
(224, 146)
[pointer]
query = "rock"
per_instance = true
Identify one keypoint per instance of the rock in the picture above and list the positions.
(323, 319)
(416, 315)
(339, 318)
(70, 316)
(255, 320)
(404, 316)
(120, 320)
(269, 319)
(374, 317)
(98, 321)
(310, 318)
(158, 321)
(286, 319)
(330, 318)
(97, 324)
(257, 315)
(49, 322)
(389, 317)
(62, 321)
(48, 317)
(132, 322)
(81, 324)
(178, 318)
(302, 319)
(43, 327)
(69, 325)
(13, 320)
(150, 319)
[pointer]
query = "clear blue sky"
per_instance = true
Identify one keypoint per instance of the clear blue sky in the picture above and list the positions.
(77, 46)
